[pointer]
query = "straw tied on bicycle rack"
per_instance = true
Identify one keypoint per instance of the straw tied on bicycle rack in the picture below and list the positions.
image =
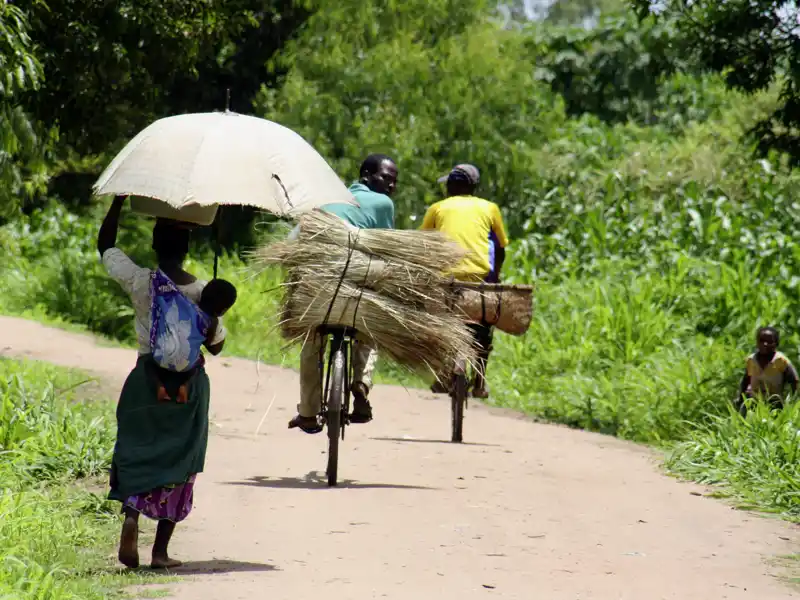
(389, 286)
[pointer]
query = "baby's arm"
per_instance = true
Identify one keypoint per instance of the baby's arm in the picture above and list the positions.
(213, 328)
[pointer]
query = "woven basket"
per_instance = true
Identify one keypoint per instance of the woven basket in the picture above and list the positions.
(507, 307)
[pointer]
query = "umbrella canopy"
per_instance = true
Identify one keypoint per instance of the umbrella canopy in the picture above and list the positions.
(186, 166)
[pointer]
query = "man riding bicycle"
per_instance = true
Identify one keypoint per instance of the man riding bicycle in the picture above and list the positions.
(378, 178)
(477, 226)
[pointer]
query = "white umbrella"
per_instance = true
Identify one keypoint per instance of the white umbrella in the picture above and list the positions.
(186, 166)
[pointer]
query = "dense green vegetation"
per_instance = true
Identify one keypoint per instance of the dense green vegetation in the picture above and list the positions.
(644, 196)
(753, 44)
(56, 533)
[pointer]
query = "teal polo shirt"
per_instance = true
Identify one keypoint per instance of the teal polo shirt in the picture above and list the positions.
(376, 211)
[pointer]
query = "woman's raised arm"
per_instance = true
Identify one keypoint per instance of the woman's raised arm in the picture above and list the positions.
(107, 238)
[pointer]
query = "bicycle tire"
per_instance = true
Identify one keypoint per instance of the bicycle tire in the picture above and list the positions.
(334, 415)
(458, 397)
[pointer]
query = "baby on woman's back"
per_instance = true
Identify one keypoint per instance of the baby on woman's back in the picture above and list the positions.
(217, 297)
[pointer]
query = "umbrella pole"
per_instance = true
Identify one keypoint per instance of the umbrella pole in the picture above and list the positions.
(216, 242)
(219, 213)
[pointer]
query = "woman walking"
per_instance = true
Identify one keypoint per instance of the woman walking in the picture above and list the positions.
(161, 444)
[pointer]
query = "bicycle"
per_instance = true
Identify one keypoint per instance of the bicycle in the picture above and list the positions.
(335, 411)
(460, 379)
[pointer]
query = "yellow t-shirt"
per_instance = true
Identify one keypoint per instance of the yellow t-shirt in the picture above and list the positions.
(771, 379)
(476, 225)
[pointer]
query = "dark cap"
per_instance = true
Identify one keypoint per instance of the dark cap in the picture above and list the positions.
(463, 172)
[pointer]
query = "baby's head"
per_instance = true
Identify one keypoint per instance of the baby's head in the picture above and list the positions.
(767, 340)
(217, 297)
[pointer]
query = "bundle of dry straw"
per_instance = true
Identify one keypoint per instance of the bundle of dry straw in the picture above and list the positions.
(384, 283)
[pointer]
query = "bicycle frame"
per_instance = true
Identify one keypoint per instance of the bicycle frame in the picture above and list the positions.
(338, 338)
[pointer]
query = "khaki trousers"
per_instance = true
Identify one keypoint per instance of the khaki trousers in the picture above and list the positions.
(364, 358)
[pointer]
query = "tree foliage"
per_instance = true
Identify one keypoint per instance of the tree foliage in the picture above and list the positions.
(430, 83)
(613, 70)
(112, 67)
(754, 44)
(19, 72)
(582, 12)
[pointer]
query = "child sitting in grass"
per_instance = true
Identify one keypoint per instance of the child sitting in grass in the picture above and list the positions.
(217, 297)
(767, 372)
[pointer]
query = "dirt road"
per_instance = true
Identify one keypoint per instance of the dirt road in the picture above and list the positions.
(521, 511)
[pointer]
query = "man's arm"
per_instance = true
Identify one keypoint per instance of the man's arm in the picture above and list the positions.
(499, 229)
(500, 258)
(107, 237)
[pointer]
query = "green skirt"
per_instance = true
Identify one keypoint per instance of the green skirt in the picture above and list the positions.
(158, 443)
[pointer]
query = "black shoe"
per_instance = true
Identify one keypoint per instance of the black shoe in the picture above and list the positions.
(307, 424)
(362, 411)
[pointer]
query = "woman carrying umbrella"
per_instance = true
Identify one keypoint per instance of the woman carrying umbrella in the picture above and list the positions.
(161, 445)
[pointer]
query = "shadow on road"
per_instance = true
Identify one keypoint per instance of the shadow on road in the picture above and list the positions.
(208, 567)
(316, 479)
(198, 567)
(423, 441)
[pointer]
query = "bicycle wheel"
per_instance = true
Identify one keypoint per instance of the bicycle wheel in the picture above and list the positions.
(458, 396)
(334, 414)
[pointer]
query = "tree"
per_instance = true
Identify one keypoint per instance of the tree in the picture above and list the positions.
(19, 144)
(754, 44)
(430, 82)
(112, 67)
(614, 70)
(582, 12)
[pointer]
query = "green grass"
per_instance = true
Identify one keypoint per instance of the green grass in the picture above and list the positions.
(57, 532)
(754, 459)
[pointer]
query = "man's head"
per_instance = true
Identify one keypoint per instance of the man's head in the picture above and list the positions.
(379, 173)
(462, 180)
(217, 297)
(171, 240)
(767, 340)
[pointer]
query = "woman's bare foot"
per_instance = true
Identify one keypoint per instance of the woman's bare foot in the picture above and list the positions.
(128, 543)
(164, 562)
(161, 559)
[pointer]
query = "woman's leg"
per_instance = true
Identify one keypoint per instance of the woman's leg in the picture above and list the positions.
(161, 559)
(129, 539)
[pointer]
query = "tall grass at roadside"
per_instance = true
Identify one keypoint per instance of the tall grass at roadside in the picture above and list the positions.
(754, 458)
(620, 354)
(44, 434)
(56, 536)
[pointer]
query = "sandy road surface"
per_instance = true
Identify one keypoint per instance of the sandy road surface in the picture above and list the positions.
(522, 511)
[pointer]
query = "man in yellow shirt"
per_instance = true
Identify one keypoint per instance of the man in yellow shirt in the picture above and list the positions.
(477, 226)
